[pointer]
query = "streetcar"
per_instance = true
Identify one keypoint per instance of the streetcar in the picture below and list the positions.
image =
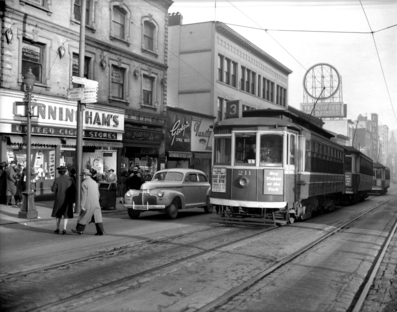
(277, 166)
(381, 179)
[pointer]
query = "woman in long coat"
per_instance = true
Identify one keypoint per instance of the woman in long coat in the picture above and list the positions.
(11, 182)
(90, 207)
(63, 188)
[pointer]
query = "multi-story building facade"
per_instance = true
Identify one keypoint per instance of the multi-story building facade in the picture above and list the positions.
(125, 52)
(210, 64)
(383, 143)
(343, 127)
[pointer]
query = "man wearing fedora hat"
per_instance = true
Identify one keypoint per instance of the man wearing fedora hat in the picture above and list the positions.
(90, 207)
(64, 189)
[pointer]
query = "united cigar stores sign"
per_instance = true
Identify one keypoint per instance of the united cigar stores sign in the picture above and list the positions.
(59, 131)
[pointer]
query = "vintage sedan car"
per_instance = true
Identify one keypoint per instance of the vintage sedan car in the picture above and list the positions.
(169, 191)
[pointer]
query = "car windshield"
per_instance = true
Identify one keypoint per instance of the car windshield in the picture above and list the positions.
(168, 176)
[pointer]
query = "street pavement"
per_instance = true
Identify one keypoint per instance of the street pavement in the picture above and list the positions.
(9, 214)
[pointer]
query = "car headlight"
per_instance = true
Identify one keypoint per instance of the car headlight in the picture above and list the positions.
(160, 193)
(128, 194)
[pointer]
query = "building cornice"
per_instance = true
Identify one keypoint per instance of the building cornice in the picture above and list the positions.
(229, 33)
(160, 4)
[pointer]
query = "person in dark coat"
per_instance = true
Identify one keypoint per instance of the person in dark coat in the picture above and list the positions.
(90, 208)
(11, 182)
(135, 181)
(63, 204)
(3, 183)
(18, 183)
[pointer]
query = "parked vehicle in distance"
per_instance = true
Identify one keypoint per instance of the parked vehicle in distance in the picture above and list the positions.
(169, 191)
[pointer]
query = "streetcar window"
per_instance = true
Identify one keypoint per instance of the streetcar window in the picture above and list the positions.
(378, 173)
(245, 153)
(271, 149)
(222, 151)
(292, 150)
(348, 163)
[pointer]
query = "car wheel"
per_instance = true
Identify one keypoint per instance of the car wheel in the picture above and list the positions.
(133, 213)
(208, 208)
(172, 210)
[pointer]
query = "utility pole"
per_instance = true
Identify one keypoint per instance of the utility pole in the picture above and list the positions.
(79, 139)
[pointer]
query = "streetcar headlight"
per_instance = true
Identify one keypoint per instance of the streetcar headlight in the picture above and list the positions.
(243, 182)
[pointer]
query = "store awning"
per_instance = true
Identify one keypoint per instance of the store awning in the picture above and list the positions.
(113, 144)
(35, 140)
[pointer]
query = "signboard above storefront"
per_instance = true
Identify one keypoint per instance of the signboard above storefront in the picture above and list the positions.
(325, 110)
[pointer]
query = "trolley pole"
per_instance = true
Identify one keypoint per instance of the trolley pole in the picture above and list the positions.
(79, 138)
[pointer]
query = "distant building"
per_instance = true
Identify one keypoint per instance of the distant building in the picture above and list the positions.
(343, 127)
(383, 143)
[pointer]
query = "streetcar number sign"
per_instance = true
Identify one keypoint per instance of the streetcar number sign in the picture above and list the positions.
(233, 109)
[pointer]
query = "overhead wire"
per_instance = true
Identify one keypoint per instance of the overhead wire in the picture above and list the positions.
(372, 33)
(380, 62)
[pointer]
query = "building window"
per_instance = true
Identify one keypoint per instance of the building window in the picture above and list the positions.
(75, 67)
(117, 78)
(147, 90)
(220, 108)
(227, 71)
(220, 67)
(264, 82)
(44, 5)
(120, 21)
(148, 35)
(234, 74)
(248, 81)
(242, 83)
(271, 91)
(77, 11)
(33, 57)
(253, 89)
(259, 85)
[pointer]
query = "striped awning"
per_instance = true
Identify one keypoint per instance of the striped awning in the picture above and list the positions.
(35, 140)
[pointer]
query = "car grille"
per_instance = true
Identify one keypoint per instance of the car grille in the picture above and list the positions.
(145, 199)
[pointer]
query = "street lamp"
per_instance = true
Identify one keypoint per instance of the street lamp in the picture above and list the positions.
(28, 209)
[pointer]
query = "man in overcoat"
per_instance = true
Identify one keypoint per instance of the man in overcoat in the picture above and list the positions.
(11, 181)
(3, 183)
(90, 207)
(63, 188)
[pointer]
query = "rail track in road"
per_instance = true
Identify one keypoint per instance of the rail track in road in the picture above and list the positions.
(59, 267)
(106, 286)
(212, 306)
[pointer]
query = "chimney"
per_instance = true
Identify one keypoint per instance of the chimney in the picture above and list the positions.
(175, 19)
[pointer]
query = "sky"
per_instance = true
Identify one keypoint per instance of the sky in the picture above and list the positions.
(358, 38)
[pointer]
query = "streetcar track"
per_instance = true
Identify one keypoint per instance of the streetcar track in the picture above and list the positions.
(208, 307)
(211, 306)
(100, 254)
(128, 278)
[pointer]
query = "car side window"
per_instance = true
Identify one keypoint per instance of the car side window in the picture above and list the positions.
(193, 177)
(202, 178)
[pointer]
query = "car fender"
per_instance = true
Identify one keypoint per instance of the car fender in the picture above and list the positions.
(170, 195)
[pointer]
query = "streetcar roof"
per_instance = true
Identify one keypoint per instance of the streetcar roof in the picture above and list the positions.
(257, 122)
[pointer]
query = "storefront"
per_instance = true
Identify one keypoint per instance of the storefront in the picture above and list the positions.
(54, 135)
(142, 142)
(189, 138)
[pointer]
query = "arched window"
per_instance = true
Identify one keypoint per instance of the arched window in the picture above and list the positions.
(148, 35)
(119, 22)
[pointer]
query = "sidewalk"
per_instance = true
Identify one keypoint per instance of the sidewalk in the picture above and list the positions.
(9, 214)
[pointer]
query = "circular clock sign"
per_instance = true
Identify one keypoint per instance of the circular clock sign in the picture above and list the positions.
(321, 81)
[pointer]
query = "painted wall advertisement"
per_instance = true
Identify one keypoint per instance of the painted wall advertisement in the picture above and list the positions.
(273, 182)
(100, 161)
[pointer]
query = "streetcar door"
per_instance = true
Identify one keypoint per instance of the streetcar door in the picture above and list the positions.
(290, 168)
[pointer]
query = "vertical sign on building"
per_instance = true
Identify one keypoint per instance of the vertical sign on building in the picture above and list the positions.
(374, 128)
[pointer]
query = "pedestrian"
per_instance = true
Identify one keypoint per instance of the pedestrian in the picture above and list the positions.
(72, 174)
(11, 182)
(135, 181)
(18, 183)
(111, 176)
(90, 208)
(122, 186)
(3, 183)
(64, 190)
